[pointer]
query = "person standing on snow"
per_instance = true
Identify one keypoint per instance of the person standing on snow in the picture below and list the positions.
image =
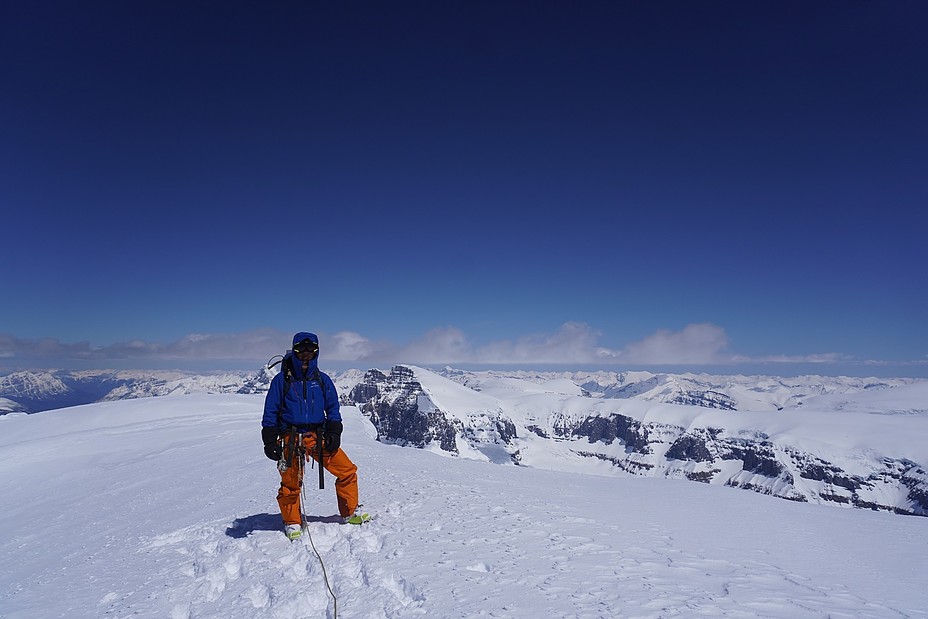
(302, 406)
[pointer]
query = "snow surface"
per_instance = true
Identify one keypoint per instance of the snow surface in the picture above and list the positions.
(165, 507)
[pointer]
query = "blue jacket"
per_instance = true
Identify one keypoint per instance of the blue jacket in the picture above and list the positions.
(306, 402)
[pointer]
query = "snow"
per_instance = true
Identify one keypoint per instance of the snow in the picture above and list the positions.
(165, 507)
(889, 422)
(448, 395)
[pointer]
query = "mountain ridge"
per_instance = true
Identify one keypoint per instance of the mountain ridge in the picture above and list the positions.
(40, 390)
(787, 453)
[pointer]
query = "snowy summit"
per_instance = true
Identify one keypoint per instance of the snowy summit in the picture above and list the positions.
(165, 507)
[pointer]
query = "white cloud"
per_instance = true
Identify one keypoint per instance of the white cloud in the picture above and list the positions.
(831, 357)
(696, 343)
(573, 343)
(248, 345)
(443, 345)
(351, 346)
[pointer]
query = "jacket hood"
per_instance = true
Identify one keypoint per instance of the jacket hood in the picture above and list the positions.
(305, 335)
(296, 364)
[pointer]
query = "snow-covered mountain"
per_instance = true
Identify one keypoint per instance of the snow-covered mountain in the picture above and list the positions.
(9, 406)
(165, 507)
(859, 443)
(35, 391)
(766, 434)
(26, 389)
(31, 391)
(734, 392)
(38, 391)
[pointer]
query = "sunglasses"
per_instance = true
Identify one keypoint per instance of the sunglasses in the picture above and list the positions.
(306, 346)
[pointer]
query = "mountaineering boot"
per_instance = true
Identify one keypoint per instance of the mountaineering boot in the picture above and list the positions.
(293, 531)
(358, 517)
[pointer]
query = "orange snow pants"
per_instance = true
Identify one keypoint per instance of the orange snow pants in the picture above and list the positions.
(338, 464)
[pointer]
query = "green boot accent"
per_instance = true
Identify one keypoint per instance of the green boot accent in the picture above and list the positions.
(358, 517)
(293, 531)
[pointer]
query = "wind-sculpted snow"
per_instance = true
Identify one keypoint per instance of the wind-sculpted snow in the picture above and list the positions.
(165, 507)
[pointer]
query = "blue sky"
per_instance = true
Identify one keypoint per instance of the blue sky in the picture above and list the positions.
(614, 184)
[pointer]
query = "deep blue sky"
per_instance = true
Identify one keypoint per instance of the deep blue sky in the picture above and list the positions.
(466, 181)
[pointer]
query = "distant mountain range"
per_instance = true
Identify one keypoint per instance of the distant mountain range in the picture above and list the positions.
(838, 441)
(835, 440)
(36, 391)
(30, 391)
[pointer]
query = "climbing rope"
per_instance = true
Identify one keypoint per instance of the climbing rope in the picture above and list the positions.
(305, 525)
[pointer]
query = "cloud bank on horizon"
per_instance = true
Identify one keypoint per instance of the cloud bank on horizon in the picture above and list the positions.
(572, 344)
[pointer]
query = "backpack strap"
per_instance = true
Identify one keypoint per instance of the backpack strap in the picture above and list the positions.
(318, 378)
(287, 368)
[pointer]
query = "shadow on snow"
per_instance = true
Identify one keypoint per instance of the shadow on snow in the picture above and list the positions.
(243, 527)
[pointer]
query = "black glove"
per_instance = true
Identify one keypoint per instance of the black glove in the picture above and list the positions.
(332, 438)
(271, 445)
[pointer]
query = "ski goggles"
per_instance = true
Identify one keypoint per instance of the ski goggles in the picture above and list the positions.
(306, 346)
